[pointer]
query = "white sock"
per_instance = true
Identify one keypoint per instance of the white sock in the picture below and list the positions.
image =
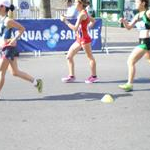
(35, 82)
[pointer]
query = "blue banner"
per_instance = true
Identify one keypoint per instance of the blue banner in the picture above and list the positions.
(53, 35)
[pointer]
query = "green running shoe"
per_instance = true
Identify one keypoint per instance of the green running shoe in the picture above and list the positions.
(39, 85)
(127, 87)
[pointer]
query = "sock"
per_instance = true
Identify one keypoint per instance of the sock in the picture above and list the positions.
(71, 76)
(35, 82)
(94, 76)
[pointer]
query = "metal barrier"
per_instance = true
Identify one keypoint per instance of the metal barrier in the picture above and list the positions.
(33, 13)
(104, 39)
(59, 12)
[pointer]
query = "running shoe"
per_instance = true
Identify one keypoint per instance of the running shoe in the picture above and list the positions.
(68, 79)
(92, 79)
(39, 85)
(127, 87)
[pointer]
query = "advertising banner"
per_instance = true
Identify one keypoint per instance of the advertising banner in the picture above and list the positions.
(53, 35)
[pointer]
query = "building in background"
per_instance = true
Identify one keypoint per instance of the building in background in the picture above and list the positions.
(26, 9)
(109, 10)
(57, 7)
(112, 10)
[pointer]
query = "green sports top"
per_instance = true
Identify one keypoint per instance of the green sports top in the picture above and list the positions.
(143, 22)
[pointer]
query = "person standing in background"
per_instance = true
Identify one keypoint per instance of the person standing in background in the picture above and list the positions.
(90, 10)
(72, 12)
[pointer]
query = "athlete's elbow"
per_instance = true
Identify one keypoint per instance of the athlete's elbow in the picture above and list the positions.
(75, 29)
(21, 29)
(129, 28)
(94, 21)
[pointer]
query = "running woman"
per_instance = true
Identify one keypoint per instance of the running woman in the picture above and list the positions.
(142, 22)
(8, 47)
(83, 40)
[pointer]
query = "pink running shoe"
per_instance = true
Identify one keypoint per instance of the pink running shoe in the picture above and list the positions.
(68, 79)
(91, 79)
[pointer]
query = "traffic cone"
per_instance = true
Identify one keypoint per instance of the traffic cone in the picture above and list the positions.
(107, 98)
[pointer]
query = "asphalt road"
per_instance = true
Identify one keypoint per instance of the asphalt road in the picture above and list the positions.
(72, 116)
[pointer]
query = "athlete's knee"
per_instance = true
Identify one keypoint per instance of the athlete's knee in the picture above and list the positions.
(148, 60)
(147, 56)
(69, 58)
(130, 62)
(2, 73)
(15, 73)
(91, 58)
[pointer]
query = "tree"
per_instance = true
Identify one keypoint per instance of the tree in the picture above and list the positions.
(45, 9)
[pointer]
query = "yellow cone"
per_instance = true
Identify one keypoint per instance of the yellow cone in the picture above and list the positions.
(107, 98)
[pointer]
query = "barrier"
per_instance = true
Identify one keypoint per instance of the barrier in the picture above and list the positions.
(53, 35)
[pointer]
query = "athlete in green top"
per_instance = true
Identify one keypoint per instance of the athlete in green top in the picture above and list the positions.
(142, 22)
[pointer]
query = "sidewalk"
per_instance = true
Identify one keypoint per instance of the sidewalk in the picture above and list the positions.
(120, 37)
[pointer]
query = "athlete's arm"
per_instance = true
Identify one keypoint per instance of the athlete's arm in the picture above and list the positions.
(77, 24)
(92, 22)
(13, 24)
(148, 14)
(70, 25)
(129, 25)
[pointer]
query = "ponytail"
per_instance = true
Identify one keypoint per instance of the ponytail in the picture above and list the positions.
(11, 8)
(146, 3)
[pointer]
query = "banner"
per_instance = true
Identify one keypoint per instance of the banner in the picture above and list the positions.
(53, 35)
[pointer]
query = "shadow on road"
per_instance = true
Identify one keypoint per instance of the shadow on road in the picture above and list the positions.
(138, 81)
(71, 97)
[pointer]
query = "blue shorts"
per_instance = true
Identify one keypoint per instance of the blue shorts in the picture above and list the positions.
(9, 52)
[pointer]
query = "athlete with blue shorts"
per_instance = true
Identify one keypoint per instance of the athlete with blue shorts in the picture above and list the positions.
(8, 47)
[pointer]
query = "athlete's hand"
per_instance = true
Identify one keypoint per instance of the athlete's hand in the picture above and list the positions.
(122, 20)
(12, 42)
(63, 18)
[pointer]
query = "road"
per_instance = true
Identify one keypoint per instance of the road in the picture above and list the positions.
(72, 116)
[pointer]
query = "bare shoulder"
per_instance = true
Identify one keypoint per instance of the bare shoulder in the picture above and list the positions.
(148, 14)
(9, 21)
(82, 15)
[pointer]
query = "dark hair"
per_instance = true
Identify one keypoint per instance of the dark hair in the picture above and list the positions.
(88, 3)
(84, 2)
(11, 8)
(146, 3)
(69, 1)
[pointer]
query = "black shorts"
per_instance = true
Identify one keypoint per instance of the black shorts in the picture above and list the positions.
(10, 52)
(144, 44)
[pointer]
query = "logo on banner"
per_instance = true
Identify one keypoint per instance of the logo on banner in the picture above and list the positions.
(24, 6)
(51, 36)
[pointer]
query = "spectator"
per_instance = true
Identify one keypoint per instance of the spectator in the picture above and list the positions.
(90, 10)
(128, 14)
(72, 12)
